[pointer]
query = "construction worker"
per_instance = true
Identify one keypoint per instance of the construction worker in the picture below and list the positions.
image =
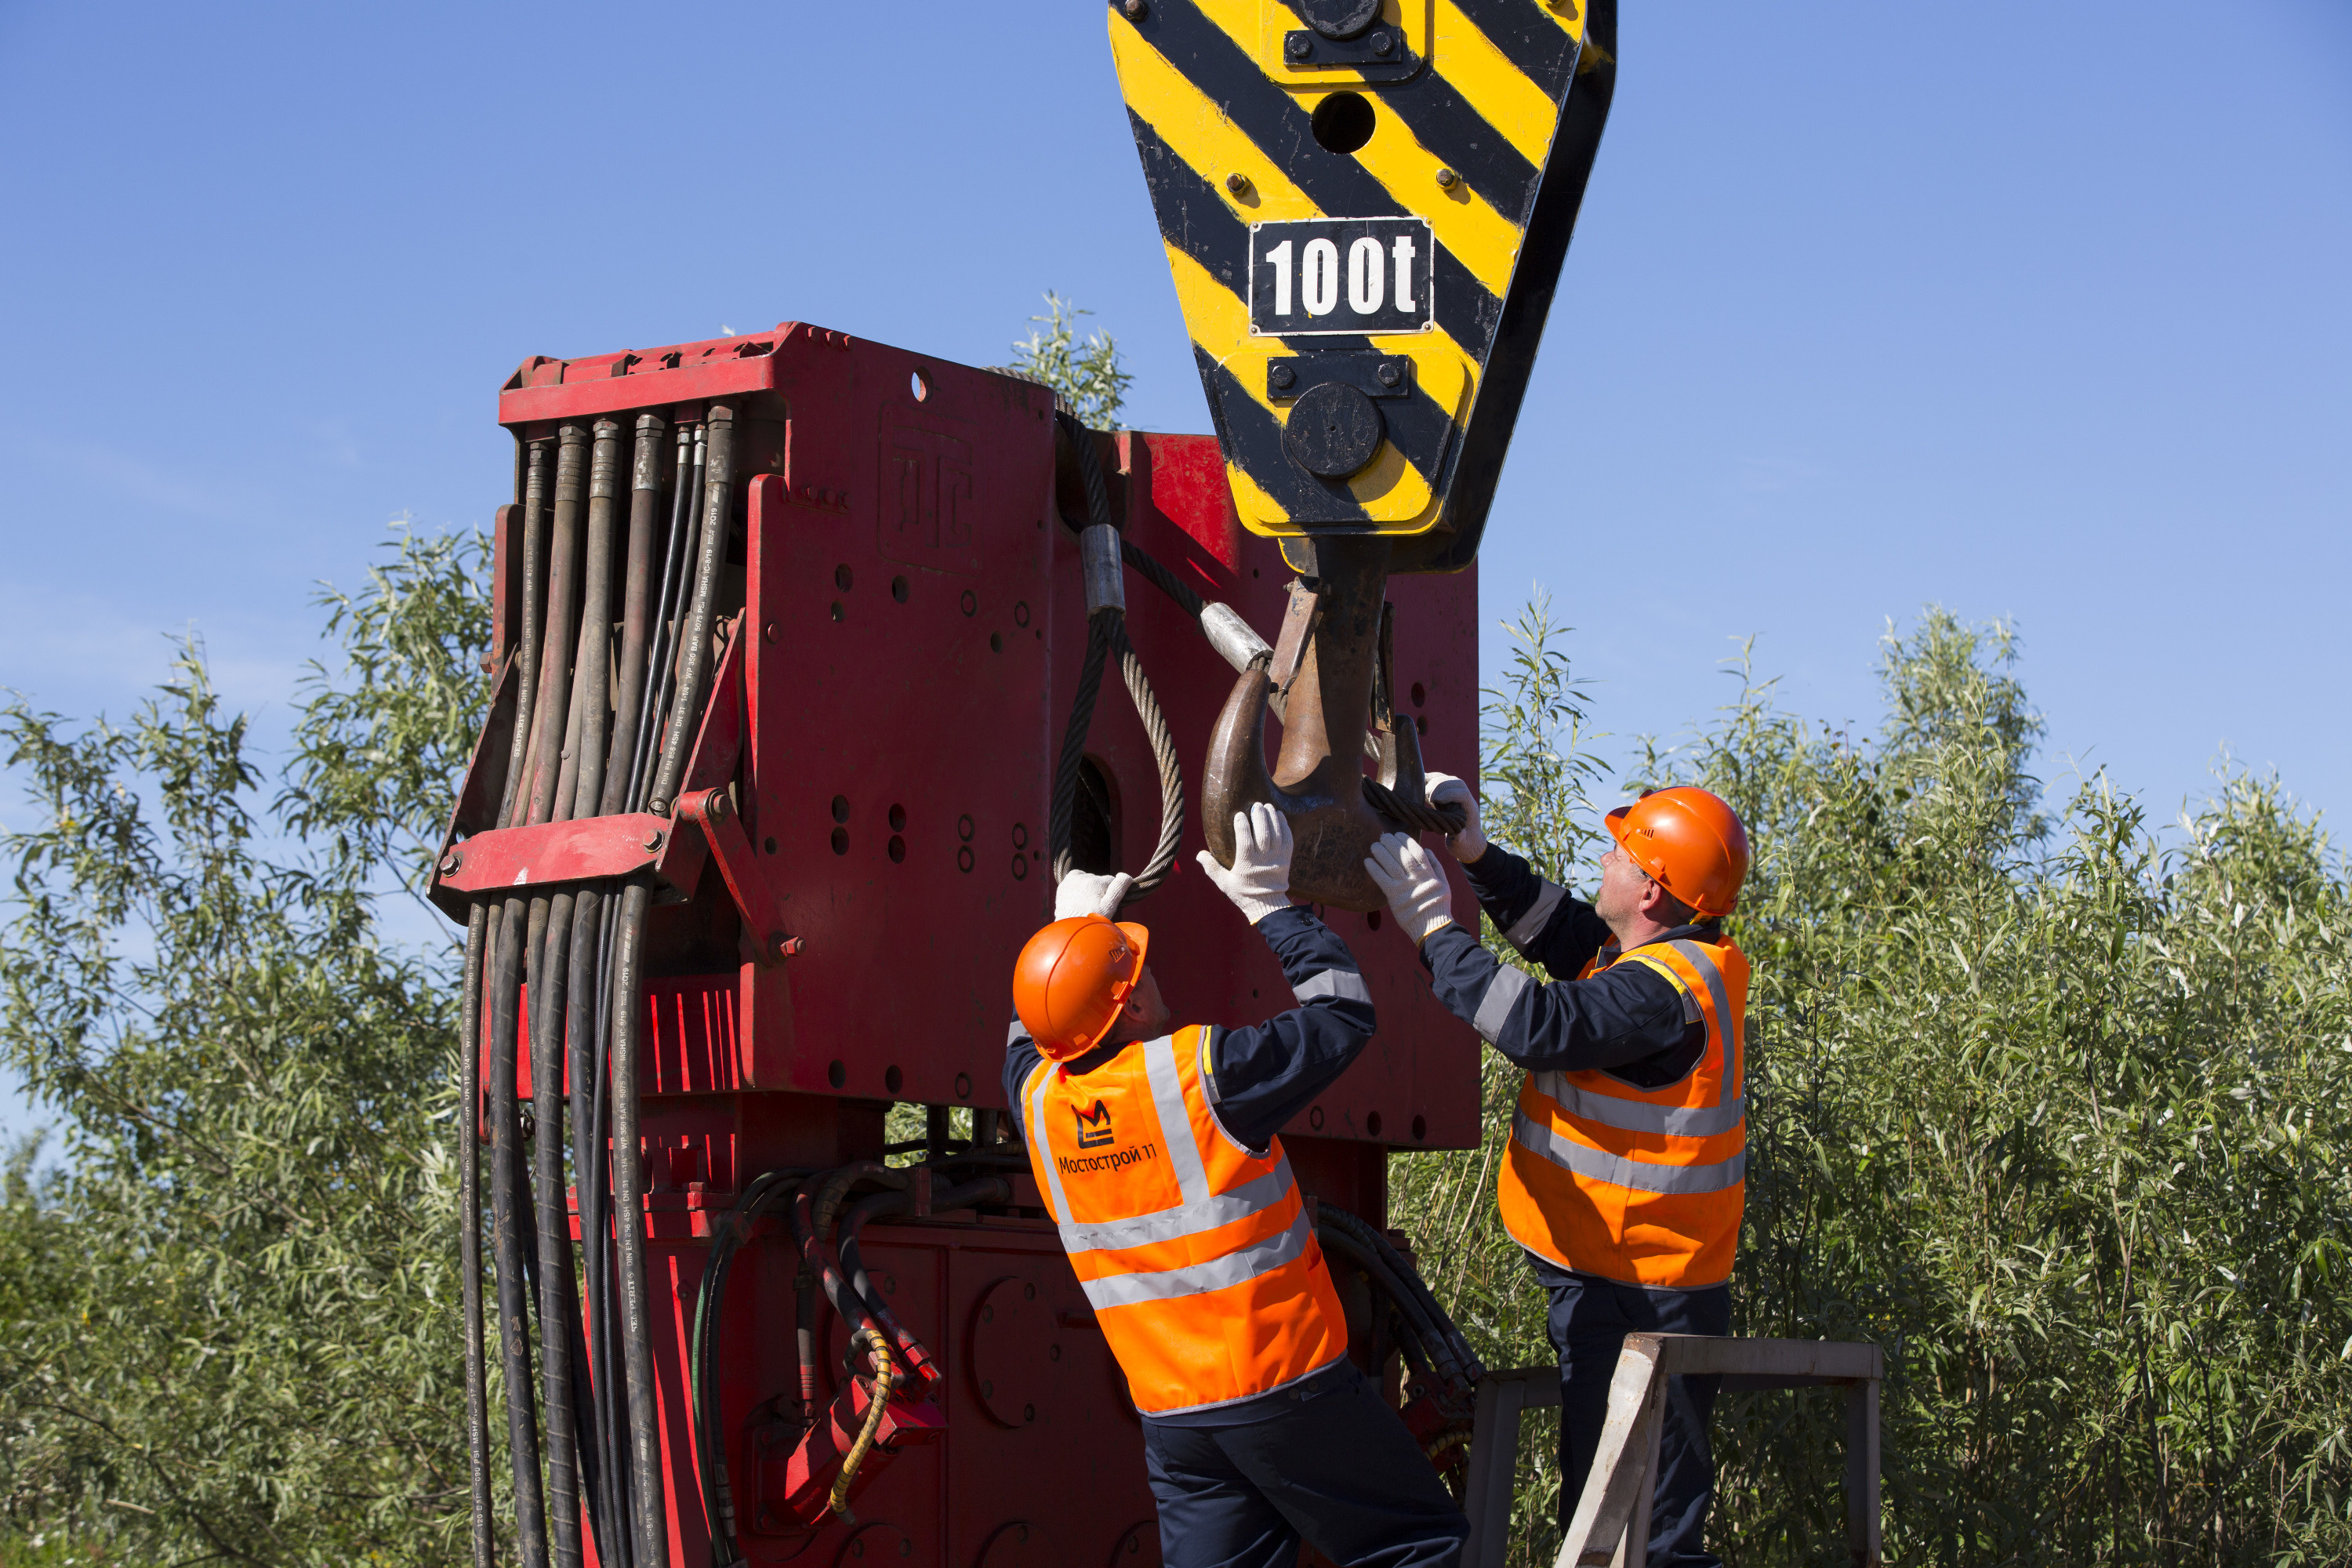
(1155, 1147)
(1626, 1166)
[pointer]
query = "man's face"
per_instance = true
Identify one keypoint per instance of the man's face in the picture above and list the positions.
(1623, 886)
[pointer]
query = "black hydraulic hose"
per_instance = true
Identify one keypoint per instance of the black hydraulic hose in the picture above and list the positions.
(526, 665)
(685, 503)
(1384, 1279)
(559, 1305)
(636, 612)
(836, 1290)
(733, 1232)
(694, 661)
(590, 1016)
(649, 1530)
(1410, 1276)
(469, 1229)
(910, 1349)
(507, 1240)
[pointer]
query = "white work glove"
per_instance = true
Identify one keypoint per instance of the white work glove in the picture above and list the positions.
(1258, 882)
(1470, 843)
(1091, 893)
(1413, 883)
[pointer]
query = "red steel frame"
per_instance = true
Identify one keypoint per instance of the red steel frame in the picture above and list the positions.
(905, 635)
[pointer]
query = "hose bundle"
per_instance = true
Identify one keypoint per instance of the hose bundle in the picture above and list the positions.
(583, 1437)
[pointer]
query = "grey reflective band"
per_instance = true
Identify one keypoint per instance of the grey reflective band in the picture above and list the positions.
(1015, 1033)
(1251, 1197)
(1638, 1115)
(1616, 1170)
(1529, 926)
(1041, 1147)
(1343, 982)
(1726, 1027)
(1193, 1279)
(1175, 1121)
(1494, 1006)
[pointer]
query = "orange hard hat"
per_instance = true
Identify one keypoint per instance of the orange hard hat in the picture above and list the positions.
(1072, 979)
(1691, 843)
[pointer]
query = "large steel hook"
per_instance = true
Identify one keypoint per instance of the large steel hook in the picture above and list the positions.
(1329, 682)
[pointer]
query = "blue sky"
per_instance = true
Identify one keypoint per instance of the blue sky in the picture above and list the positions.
(2036, 313)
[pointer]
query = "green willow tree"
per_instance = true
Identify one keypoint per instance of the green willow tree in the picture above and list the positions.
(234, 1335)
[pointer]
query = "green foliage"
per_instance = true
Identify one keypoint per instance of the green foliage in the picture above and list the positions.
(1086, 371)
(234, 1330)
(2050, 1108)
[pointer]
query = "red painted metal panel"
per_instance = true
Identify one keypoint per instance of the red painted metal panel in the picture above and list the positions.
(553, 852)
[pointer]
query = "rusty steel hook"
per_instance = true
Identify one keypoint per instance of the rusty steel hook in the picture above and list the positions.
(1329, 678)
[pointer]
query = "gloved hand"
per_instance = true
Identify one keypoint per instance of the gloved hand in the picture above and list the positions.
(1470, 843)
(1413, 883)
(1258, 882)
(1091, 893)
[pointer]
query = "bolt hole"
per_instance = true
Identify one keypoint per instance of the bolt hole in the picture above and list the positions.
(897, 818)
(898, 589)
(964, 828)
(1372, 1122)
(1419, 725)
(963, 1086)
(1020, 867)
(898, 849)
(1373, 920)
(1020, 611)
(893, 1079)
(841, 808)
(836, 609)
(919, 384)
(1420, 1129)
(842, 578)
(996, 642)
(769, 844)
(1314, 1117)
(1021, 835)
(1420, 695)
(836, 1074)
(841, 841)
(1342, 122)
(963, 858)
(971, 603)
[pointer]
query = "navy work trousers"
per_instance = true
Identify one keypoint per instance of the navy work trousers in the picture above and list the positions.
(1590, 1320)
(1339, 1470)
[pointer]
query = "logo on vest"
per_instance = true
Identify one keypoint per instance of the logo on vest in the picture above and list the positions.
(1094, 1126)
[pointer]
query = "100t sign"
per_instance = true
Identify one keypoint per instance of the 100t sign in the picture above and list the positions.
(1362, 275)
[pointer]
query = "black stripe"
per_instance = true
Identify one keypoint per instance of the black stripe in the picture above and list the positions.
(1199, 50)
(1528, 38)
(1464, 140)
(1253, 442)
(1196, 220)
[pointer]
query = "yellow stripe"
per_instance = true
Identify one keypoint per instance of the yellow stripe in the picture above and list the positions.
(1196, 131)
(1481, 238)
(1568, 13)
(1498, 90)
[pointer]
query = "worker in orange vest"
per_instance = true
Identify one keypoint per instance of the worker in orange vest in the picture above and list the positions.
(1154, 1147)
(1627, 1163)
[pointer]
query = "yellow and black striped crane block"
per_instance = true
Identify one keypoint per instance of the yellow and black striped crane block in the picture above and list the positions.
(1366, 203)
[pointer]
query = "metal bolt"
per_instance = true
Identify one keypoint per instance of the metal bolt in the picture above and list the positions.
(1297, 48)
(714, 805)
(1388, 375)
(1446, 179)
(789, 947)
(1134, 10)
(1237, 183)
(769, 631)
(1282, 376)
(1383, 44)
(450, 862)
(652, 840)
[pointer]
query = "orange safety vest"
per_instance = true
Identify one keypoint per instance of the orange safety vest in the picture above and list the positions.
(1641, 1185)
(1197, 1254)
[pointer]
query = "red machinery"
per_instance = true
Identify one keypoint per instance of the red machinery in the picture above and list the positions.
(780, 887)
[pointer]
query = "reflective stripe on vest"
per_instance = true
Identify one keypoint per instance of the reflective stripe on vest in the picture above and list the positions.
(1196, 1252)
(1644, 1185)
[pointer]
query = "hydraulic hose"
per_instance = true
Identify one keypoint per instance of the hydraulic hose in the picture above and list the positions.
(507, 1241)
(526, 663)
(469, 1229)
(694, 663)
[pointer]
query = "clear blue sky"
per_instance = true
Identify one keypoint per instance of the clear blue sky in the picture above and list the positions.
(2035, 312)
